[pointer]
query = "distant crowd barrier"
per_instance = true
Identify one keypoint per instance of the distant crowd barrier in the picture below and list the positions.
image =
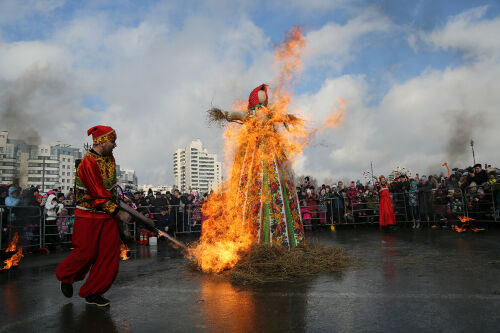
(481, 203)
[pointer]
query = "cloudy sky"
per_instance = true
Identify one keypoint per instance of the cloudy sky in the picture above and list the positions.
(420, 78)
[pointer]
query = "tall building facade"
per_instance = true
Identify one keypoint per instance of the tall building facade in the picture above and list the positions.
(45, 165)
(126, 178)
(196, 168)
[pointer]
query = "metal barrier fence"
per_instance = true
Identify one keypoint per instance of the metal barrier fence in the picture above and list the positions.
(26, 221)
(185, 218)
(435, 206)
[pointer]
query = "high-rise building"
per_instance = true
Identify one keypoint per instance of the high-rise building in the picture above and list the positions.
(45, 165)
(196, 168)
(126, 178)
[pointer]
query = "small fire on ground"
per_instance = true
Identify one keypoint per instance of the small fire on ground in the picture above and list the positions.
(465, 224)
(16, 257)
(124, 250)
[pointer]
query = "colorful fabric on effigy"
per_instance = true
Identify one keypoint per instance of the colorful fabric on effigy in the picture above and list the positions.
(266, 189)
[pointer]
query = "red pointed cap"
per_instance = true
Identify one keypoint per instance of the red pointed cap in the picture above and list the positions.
(253, 99)
(102, 134)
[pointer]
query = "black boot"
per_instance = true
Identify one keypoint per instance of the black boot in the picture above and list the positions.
(96, 299)
(67, 289)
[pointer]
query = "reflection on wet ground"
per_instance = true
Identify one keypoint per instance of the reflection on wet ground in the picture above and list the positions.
(431, 280)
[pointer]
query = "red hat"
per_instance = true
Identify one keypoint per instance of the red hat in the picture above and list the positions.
(254, 100)
(102, 134)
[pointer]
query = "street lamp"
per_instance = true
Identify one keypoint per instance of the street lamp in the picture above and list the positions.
(472, 147)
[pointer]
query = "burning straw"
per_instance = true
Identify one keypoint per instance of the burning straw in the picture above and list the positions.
(16, 257)
(265, 264)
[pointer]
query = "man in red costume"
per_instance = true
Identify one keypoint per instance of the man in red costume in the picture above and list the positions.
(96, 238)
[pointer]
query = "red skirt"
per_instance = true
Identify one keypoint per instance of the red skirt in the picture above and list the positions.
(386, 212)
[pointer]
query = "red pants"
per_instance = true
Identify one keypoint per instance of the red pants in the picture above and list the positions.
(96, 242)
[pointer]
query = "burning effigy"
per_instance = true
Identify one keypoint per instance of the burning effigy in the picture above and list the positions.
(253, 222)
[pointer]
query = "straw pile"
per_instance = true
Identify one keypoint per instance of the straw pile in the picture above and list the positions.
(264, 263)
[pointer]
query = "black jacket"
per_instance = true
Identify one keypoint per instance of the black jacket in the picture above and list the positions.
(163, 221)
(480, 178)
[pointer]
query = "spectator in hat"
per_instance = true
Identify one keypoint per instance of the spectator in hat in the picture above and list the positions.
(158, 202)
(413, 203)
(165, 221)
(479, 176)
(424, 198)
(13, 199)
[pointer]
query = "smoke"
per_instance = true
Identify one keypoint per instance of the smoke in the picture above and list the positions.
(33, 102)
(463, 126)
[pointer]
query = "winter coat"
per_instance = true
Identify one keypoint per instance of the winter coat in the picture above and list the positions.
(413, 198)
(166, 220)
(338, 200)
(11, 200)
(371, 202)
(322, 203)
(424, 195)
(479, 179)
(52, 210)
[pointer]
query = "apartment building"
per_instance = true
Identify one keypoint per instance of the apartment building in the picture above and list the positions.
(196, 168)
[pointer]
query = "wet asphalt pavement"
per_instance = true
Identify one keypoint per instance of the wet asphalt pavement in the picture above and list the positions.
(424, 281)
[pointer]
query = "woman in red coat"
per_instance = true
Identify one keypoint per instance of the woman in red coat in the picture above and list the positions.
(386, 212)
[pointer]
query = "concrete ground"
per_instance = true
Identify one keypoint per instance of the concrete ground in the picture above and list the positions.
(406, 281)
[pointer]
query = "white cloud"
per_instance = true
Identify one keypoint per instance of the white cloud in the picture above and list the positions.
(12, 11)
(311, 6)
(419, 124)
(16, 57)
(157, 78)
(469, 32)
(333, 45)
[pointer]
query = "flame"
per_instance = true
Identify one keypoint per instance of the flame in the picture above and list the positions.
(445, 164)
(124, 250)
(333, 120)
(227, 230)
(335, 117)
(459, 229)
(13, 243)
(464, 219)
(16, 257)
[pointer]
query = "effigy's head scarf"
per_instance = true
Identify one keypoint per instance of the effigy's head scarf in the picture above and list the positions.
(102, 134)
(258, 97)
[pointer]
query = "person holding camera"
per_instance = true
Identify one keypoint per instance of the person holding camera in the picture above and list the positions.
(477, 175)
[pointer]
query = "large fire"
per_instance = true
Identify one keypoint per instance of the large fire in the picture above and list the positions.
(229, 224)
(16, 257)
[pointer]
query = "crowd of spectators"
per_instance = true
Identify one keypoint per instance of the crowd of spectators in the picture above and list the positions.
(24, 209)
(172, 211)
(421, 198)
